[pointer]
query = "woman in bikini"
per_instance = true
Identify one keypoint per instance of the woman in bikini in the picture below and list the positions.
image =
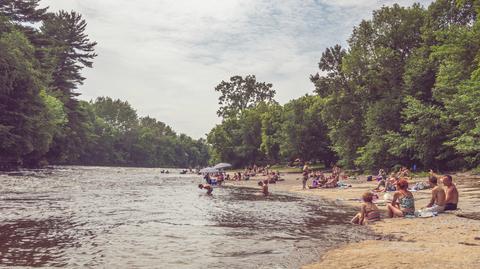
(403, 202)
(368, 212)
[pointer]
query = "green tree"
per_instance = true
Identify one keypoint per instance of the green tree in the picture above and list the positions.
(304, 134)
(241, 93)
(73, 51)
(25, 124)
(21, 11)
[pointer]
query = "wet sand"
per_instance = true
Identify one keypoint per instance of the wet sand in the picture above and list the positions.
(450, 240)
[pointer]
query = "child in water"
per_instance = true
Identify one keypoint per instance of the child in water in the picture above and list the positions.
(264, 186)
(368, 212)
(207, 187)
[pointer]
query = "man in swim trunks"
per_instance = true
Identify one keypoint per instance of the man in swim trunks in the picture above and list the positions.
(451, 200)
(437, 203)
(207, 187)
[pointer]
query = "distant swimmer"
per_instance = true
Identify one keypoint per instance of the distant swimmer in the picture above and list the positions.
(264, 186)
(207, 187)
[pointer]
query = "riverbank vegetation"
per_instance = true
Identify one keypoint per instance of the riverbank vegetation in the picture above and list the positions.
(406, 91)
(42, 121)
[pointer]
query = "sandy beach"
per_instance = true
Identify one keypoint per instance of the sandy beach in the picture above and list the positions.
(451, 240)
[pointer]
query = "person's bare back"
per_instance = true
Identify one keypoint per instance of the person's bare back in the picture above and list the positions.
(207, 187)
(451, 193)
(438, 196)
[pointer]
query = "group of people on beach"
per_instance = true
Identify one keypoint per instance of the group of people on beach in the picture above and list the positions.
(403, 201)
(319, 180)
(401, 204)
(212, 179)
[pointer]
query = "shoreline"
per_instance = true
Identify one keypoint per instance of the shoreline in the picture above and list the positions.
(450, 240)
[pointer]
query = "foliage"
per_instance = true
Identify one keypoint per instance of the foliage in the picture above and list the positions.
(43, 121)
(241, 93)
(404, 92)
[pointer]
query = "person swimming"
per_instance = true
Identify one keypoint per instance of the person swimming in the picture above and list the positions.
(207, 187)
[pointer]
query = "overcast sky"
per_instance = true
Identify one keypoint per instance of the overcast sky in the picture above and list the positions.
(166, 56)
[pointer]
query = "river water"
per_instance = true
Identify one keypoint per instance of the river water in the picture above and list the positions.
(80, 217)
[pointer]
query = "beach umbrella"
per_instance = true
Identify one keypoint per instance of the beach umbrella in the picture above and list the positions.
(209, 170)
(222, 165)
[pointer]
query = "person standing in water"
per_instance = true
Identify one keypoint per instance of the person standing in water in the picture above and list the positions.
(264, 186)
(207, 187)
(306, 172)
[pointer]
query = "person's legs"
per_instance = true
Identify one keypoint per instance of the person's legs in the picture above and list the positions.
(380, 184)
(394, 212)
(434, 209)
(356, 219)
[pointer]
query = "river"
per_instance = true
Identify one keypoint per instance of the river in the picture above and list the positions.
(108, 217)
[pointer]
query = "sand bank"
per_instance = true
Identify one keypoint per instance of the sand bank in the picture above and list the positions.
(451, 240)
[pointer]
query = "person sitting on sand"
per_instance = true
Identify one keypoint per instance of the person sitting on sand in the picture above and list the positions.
(403, 173)
(315, 184)
(451, 193)
(437, 203)
(381, 174)
(331, 183)
(264, 187)
(403, 202)
(368, 211)
(391, 184)
(207, 187)
(388, 185)
(322, 180)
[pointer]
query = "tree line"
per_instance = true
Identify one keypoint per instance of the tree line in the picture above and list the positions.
(42, 120)
(406, 91)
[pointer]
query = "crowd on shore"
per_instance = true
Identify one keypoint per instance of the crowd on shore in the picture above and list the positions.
(218, 178)
(402, 203)
(395, 188)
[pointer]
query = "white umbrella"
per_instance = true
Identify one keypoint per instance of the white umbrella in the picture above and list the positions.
(209, 170)
(222, 165)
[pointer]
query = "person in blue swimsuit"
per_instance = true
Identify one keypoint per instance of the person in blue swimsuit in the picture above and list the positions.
(403, 202)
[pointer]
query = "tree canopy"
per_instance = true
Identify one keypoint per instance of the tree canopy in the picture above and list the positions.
(241, 93)
(403, 92)
(42, 55)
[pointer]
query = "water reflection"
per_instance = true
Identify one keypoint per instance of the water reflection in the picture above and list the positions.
(36, 242)
(139, 218)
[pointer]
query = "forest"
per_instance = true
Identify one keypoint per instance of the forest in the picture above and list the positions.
(42, 120)
(405, 91)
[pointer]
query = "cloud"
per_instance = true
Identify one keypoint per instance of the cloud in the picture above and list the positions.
(166, 56)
